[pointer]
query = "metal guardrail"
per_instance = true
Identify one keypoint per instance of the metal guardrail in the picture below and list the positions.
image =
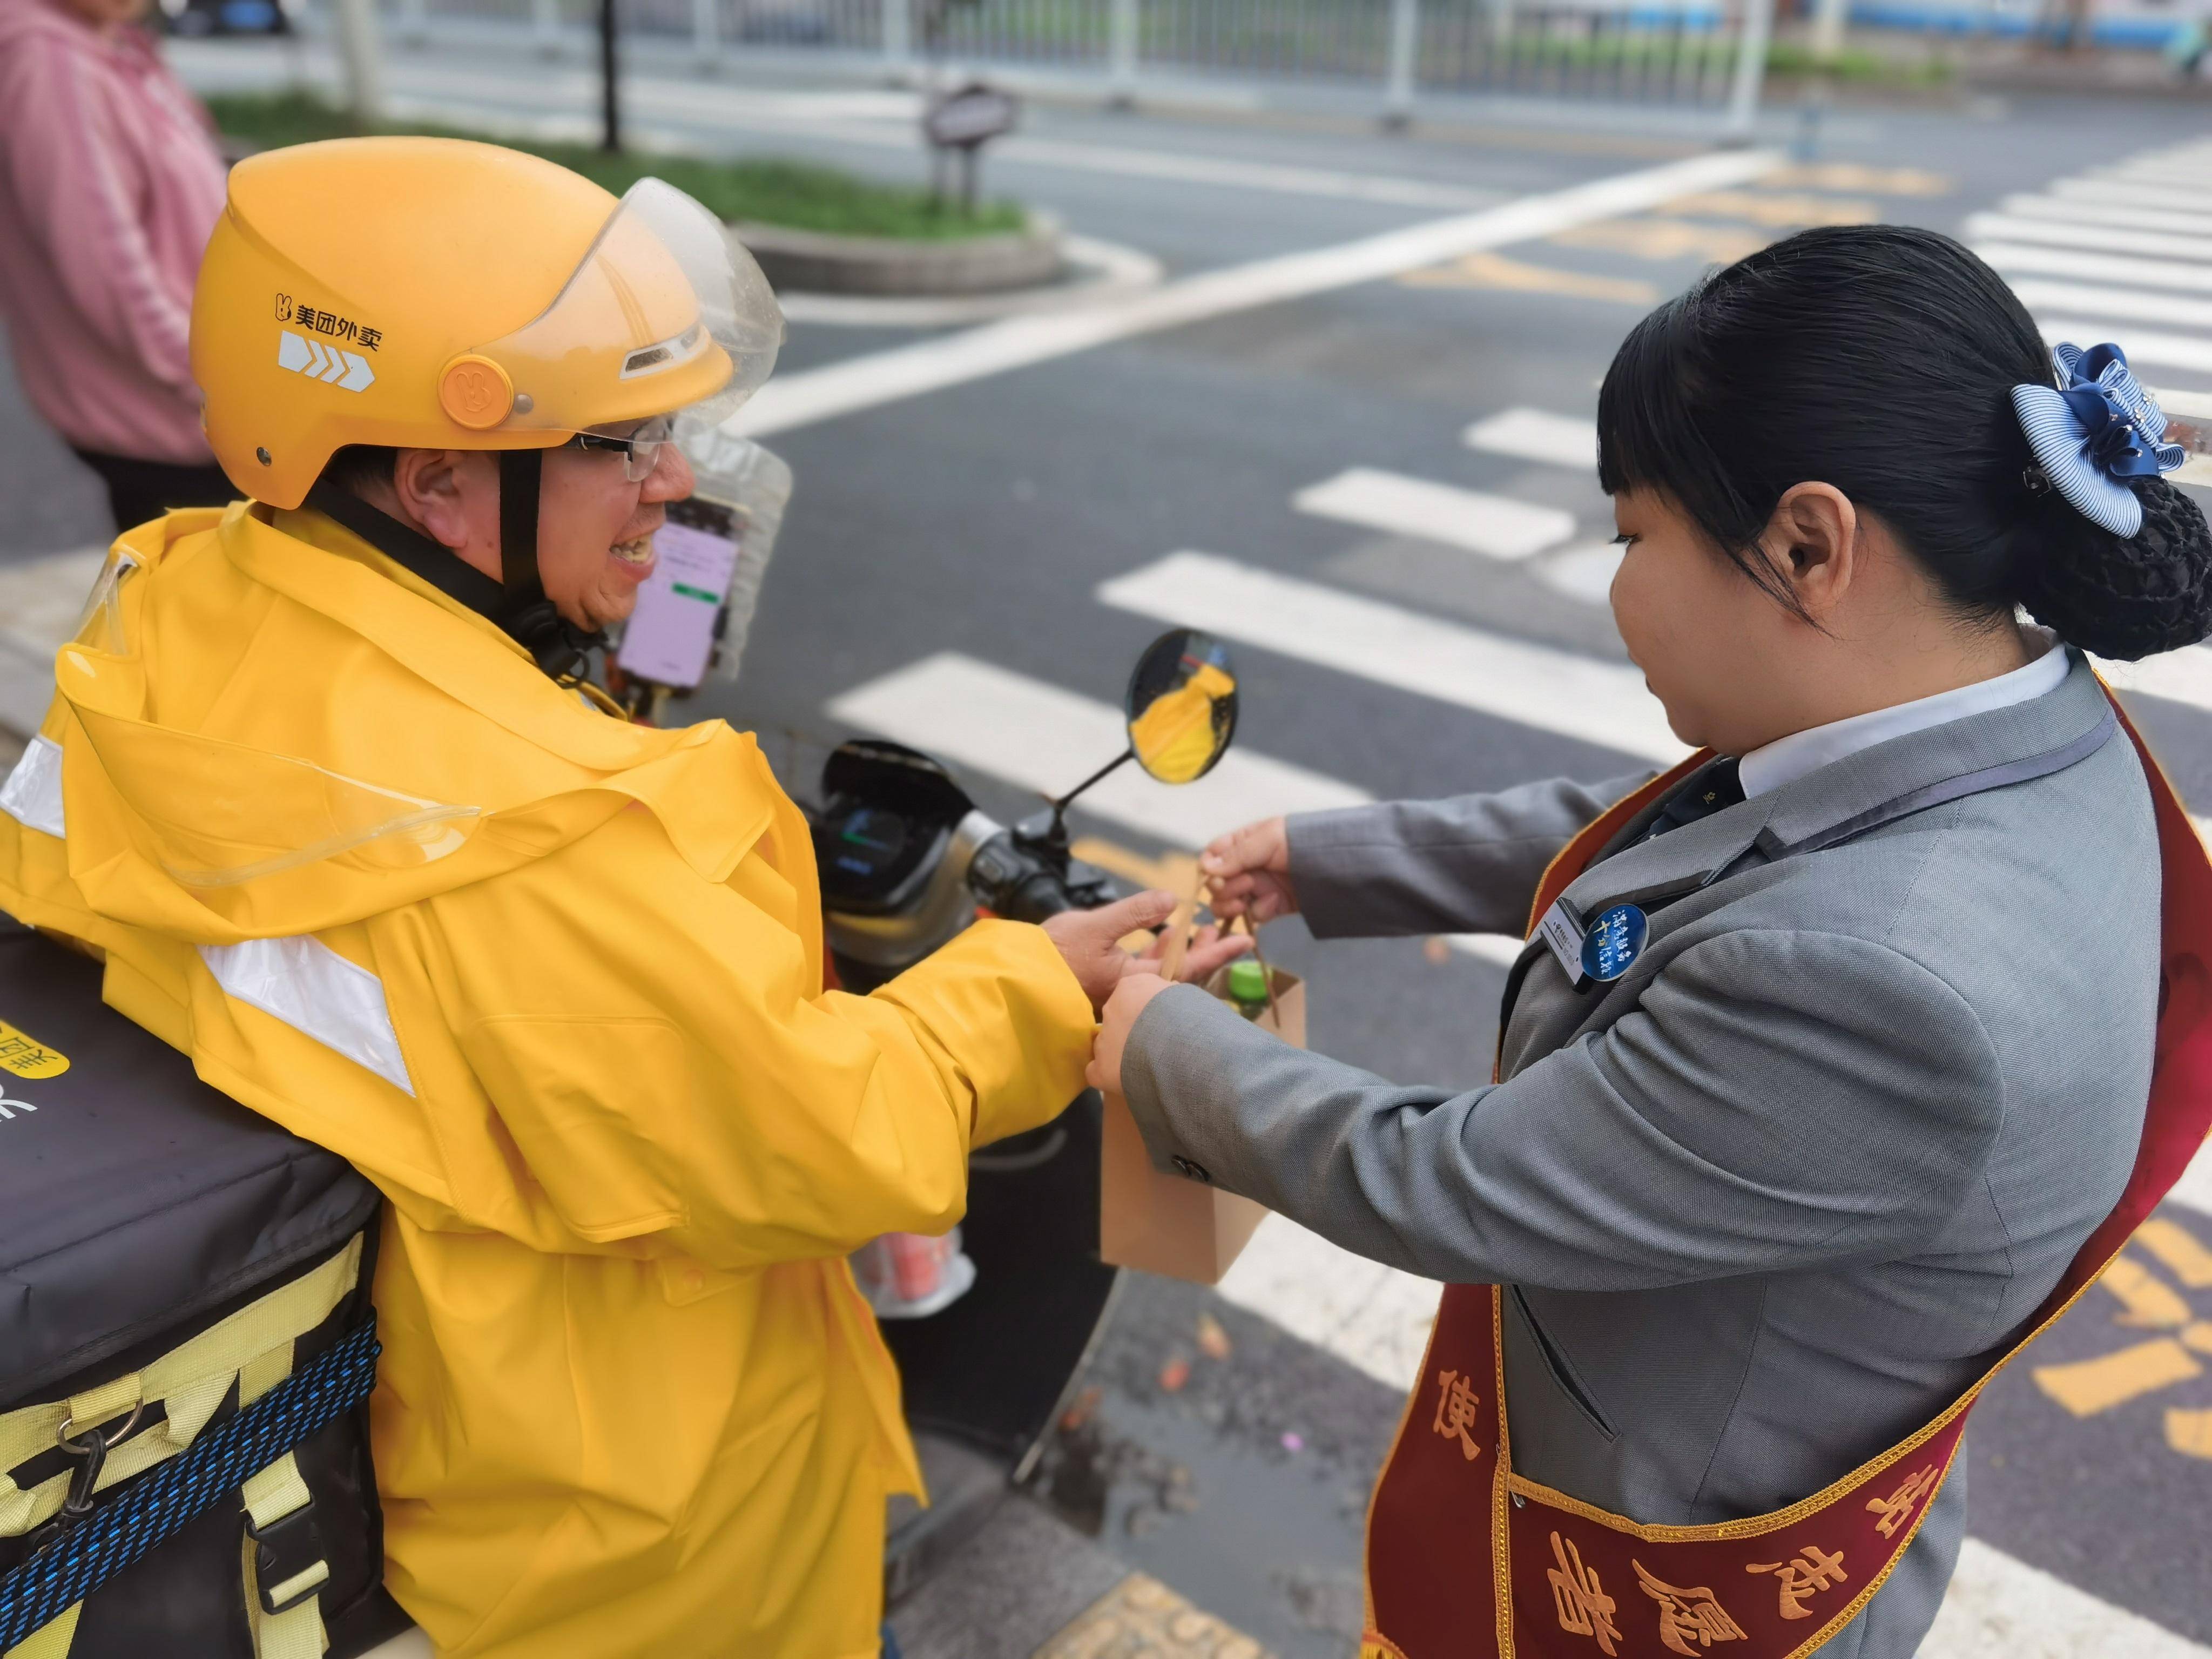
(1699, 53)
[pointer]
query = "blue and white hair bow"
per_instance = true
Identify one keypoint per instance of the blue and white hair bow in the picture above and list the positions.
(2095, 430)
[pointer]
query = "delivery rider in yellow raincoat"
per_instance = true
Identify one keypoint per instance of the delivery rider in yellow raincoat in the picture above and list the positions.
(551, 979)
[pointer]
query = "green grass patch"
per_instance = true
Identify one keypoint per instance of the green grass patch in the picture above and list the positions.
(1856, 65)
(791, 193)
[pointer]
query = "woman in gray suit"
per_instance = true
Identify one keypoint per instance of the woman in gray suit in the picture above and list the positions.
(1816, 1079)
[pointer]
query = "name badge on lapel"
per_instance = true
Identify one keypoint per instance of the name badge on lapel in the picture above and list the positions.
(1603, 951)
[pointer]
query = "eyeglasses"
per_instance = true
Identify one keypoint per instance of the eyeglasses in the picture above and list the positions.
(639, 450)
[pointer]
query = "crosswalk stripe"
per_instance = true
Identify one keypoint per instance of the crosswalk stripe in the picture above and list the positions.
(2135, 305)
(2101, 213)
(2000, 1608)
(2102, 267)
(1597, 702)
(1370, 1316)
(2179, 185)
(2136, 190)
(1537, 435)
(1042, 738)
(2195, 1186)
(2192, 352)
(2182, 676)
(1495, 526)
(2010, 227)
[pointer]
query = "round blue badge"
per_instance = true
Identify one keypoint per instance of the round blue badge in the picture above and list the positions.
(1613, 941)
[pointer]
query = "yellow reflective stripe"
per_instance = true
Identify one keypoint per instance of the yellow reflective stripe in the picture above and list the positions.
(190, 1379)
(50, 1640)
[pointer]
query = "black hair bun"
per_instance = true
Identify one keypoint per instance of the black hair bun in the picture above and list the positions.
(2122, 599)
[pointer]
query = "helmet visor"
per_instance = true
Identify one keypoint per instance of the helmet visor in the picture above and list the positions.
(666, 312)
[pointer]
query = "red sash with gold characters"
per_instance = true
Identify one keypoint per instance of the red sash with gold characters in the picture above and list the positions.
(1467, 1560)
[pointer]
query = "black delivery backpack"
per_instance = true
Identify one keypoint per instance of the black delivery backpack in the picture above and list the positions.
(186, 1351)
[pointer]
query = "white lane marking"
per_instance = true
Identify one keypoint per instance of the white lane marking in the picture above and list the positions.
(2195, 404)
(2007, 227)
(2195, 1186)
(1372, 1317)
(2135, 305)
(2000, 1608)
(1537, 435)
(1495, 526)
(2100, 213)
(2185, 351)
(878, 121)
(1596, 703)
(2097, 267)
(841, 388)
(1042, 738)
(1128, 162)
(1045, 738)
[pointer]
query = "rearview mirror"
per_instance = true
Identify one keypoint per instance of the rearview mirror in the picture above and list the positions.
(1182, 706)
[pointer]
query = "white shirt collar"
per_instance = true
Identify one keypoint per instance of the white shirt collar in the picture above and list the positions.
(1788, 759)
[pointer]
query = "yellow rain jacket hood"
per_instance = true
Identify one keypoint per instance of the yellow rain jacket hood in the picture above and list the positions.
(553, 982)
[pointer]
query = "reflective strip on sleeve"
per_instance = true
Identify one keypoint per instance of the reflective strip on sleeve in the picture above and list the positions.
(311, 988)
(33, 794)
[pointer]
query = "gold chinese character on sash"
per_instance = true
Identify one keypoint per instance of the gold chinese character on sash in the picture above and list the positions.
(1455, 1407)
(1814, 1571)
(1584, 1607)
(1897, 1509)
(1685, 1615)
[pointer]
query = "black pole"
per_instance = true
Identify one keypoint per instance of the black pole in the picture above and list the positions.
(609, 82)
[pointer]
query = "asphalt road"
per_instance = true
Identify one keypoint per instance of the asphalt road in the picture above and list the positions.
(976, 525)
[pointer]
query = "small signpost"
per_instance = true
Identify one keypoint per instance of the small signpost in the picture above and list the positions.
(964, 121)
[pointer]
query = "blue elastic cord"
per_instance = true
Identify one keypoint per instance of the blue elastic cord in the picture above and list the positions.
(210, 1470)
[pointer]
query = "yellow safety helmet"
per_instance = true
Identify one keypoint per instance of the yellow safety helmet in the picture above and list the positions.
(431, 293)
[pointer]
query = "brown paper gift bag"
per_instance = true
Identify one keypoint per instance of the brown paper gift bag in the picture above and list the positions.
(1163, 1222)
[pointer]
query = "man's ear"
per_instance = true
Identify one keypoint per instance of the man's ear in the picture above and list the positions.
(1813, 542)
(427, 482)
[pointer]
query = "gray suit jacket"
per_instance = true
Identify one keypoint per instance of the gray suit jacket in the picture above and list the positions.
(1768, 1202)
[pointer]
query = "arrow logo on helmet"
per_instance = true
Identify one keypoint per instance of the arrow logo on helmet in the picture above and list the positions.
(348, 371)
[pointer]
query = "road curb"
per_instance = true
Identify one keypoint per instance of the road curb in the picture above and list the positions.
(817, 263)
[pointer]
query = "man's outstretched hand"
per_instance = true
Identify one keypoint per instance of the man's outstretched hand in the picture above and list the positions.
(1089, 943)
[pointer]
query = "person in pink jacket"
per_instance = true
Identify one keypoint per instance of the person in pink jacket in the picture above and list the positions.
(110, 184)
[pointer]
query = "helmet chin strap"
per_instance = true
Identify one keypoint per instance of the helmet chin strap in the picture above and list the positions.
(517, 603)
(560, 647)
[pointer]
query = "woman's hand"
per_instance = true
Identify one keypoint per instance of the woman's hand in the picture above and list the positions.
(1129, 1000)
(1089, 943)
(1249, 871)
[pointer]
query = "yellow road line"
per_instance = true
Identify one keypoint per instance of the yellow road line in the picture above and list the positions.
(1495, 271)
(2175, 1246)
(1141, 1617)
(2151, 1302)
(1776, 210)
(1665, 239)
(2091, 1386)
(1849, 175)
(2189, 1433)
